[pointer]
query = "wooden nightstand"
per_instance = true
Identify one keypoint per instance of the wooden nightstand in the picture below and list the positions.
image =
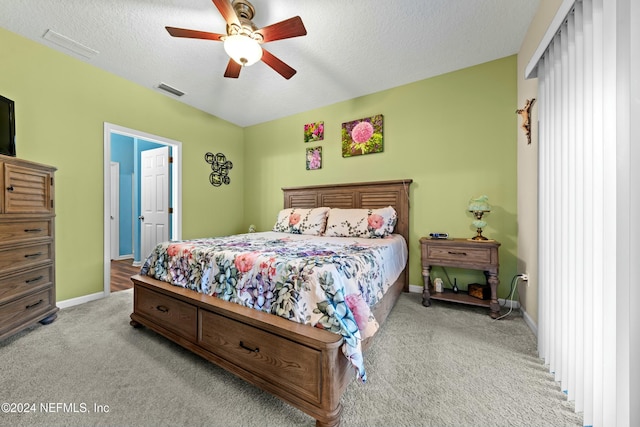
(461, 253)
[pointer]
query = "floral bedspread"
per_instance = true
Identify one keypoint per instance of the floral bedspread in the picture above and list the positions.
(329, 283)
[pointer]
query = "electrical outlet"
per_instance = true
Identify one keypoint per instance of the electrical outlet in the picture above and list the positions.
(524, 277)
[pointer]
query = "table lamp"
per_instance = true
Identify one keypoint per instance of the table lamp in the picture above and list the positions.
(478, 207)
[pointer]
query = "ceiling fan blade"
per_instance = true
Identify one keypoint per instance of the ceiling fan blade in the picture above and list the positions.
(292, 27)
(233, 69)
(280, 67)
(226, 10)
(193, 34)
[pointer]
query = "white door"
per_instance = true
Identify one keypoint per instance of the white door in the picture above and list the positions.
(154, 199)
(115, 210)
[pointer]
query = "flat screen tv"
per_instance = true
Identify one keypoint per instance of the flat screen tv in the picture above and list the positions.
(7, 127)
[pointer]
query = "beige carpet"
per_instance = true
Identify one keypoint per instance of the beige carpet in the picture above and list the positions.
(439, 366)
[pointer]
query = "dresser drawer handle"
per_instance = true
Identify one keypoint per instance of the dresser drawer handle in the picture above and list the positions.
(254, 350)
(35, 279)
(34, 304)
(10, 189)
(33, 255)
(32, 230)
(162, 308)
(457, 253)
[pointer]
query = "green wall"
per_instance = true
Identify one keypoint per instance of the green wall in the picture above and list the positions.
(454, 135)
(61, 106)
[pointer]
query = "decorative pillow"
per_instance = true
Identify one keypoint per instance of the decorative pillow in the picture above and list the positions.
(302, 221)
(368, 223)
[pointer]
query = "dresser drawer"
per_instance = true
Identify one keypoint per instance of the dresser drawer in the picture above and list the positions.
(25, 256)
(268, 356)
(455, 253)
(25, 282)
(27, 308)
(177, 316)
(25, 230)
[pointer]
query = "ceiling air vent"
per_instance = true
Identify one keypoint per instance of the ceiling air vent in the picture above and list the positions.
(171, 90)
(70, 44)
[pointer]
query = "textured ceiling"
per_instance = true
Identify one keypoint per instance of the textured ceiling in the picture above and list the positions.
(352, 48)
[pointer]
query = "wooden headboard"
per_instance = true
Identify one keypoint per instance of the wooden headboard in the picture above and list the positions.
(369, 195)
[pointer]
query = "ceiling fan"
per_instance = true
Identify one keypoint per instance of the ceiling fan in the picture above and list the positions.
(243, 39)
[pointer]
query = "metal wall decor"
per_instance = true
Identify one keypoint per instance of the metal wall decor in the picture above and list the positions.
(525, 113)
(220, 167)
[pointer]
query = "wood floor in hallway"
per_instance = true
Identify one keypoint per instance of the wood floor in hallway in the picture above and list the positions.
(121, 272)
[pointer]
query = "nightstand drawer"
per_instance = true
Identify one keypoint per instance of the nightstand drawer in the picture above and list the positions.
(459, 254)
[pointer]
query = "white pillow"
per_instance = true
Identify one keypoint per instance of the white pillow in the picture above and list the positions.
(368, 223)
(302, 221)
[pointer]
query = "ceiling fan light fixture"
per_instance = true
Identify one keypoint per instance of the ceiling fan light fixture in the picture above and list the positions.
(242, 49)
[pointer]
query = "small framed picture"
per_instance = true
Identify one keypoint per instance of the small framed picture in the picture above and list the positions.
(314, 132)
(314, 158)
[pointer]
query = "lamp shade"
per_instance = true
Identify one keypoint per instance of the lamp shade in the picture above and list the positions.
(480, 204)
(242, 49)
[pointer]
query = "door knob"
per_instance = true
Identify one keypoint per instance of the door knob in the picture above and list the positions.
(141, 217)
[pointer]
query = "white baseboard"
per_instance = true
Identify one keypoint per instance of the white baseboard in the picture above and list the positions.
(530, 323)
(80, 300)
(121, 257)
(507, 303)
(415, 288)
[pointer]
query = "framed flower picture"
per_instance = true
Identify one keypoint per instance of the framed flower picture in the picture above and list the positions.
(314, 158)
(363, 136)
(314, 132)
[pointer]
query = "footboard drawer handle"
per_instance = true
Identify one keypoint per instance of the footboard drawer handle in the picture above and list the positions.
(33, 255)
(457, 253)
(32, 230)
(35, 279)
(162, 308)
(34, 304)
(255, 350)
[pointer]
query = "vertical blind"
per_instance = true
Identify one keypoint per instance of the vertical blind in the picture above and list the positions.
(577, 207)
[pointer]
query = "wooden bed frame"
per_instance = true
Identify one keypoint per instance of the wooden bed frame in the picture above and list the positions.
(300, 364)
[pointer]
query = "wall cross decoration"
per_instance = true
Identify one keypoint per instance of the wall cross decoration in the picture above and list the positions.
(220, 167)
(525, 113)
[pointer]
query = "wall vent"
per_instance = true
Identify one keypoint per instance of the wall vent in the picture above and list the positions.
(170, 89)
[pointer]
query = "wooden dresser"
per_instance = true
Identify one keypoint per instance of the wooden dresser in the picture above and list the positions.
(27, 249)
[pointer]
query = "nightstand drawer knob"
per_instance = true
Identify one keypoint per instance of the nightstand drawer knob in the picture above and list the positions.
(457, 253)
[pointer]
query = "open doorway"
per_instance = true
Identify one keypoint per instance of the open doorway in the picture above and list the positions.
(141, 141)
